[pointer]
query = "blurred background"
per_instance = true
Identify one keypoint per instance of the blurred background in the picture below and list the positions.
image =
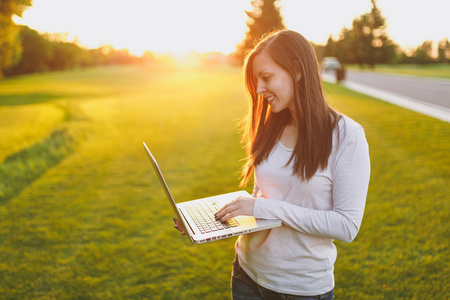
(45, 35)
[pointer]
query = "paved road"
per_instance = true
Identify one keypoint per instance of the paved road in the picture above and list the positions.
(433, 91)
(421, 94)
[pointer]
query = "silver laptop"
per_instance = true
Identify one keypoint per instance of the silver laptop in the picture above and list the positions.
(197, 216)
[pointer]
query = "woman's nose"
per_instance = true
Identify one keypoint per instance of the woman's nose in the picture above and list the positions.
(260, 89)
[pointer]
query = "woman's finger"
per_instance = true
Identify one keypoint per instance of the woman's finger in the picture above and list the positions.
(240, 206)
(179, 226)
(229, 207)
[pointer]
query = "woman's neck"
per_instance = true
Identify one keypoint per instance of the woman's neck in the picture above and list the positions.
(289, 135)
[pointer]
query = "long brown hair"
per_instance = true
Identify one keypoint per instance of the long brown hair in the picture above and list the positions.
(316, 120)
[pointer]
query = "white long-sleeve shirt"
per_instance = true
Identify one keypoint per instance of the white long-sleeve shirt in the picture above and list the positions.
(298, 257)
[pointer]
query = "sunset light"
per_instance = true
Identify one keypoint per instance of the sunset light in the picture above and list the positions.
(335, 113)
(160, 26)
(204, 25)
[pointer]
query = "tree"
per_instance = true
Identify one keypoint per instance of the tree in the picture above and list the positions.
(366, 42)
(36, 53)
(65, 56)
(423, 54)
(264, 18)
(346, 46)
(444, 51)
(330, 48)
(10, 46)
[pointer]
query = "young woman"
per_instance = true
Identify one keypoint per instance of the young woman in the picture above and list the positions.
(311, 168)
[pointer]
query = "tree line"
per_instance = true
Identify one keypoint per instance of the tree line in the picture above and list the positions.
(45, 52)
(24, 50)
(366, 42)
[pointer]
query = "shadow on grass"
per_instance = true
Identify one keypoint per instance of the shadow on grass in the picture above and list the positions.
(21, 168)
(25, 99)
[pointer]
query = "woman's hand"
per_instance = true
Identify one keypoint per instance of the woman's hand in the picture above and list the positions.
(179, 226)
(242, 206)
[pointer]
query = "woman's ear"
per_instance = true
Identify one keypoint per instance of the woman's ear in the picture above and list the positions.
(298, 76)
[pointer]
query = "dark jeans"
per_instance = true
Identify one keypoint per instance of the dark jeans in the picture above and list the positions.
(244, 288)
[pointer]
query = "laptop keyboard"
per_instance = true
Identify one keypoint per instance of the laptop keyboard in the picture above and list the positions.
(203, 216)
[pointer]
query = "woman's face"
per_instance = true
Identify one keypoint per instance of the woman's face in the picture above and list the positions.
(274, 83)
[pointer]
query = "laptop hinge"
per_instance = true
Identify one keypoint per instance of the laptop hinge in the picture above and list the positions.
(185, 219)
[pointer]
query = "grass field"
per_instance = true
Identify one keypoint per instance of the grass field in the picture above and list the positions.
(431, 70)
(82, 215)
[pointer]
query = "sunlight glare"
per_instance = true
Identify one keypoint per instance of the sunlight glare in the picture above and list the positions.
(177, 26)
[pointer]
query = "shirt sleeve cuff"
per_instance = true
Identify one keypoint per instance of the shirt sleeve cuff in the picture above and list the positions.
(264, 209)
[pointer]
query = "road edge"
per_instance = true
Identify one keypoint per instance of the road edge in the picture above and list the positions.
(416, 105)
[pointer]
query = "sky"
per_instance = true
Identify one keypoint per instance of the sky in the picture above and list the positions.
(179, 26)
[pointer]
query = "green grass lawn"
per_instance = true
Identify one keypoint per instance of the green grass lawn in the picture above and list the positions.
(431, 70)
(82, 216)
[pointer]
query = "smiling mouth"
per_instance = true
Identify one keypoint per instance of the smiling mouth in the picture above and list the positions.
(270, 99)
